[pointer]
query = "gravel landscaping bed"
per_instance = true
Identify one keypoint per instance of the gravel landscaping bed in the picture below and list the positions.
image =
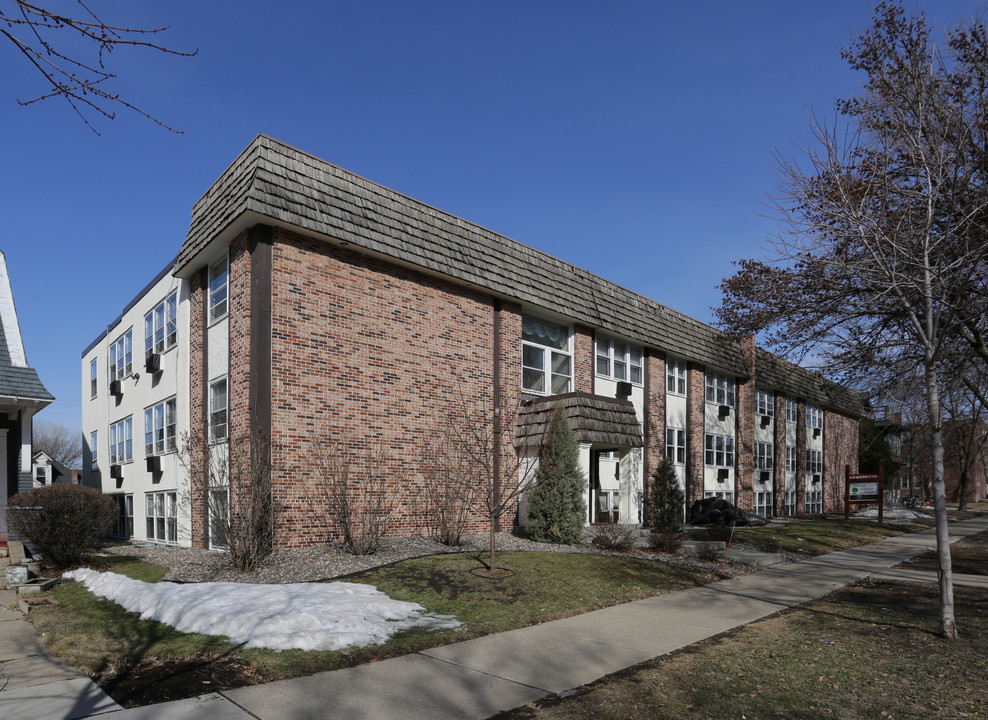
(333, 561)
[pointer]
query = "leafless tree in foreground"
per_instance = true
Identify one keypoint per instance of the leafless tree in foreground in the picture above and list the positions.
(231, 481)
(44, 38)
(353, 489)
(60, 443)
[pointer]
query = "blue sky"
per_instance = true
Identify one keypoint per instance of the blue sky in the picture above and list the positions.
(633, 139)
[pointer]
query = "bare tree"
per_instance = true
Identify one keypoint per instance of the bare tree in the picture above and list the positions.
(52, 43)
(231, 482)
(885, 261)
(450, 497)
(353, 490)
(58, 442)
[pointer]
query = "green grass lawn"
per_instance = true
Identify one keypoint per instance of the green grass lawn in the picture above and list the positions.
(816, 537)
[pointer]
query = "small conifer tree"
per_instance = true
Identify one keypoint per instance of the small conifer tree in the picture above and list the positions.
(557, 510)
(665, 508)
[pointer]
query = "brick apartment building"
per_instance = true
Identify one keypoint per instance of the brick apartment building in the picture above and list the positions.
(308, 302)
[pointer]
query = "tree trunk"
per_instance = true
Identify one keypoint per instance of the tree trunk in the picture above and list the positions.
(493, 547)
(962, 487)
(948, 627)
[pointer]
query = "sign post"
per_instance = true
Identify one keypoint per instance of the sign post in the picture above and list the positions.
(864, 490)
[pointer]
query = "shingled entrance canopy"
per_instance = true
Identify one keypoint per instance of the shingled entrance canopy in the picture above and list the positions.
(595, 420)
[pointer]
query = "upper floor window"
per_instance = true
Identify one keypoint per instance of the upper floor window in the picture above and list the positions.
(814, 461)
(93, 449)
(764, 403)
(122, 357)
(547, 360)
(159, 428)
(720, 389)
(122, 441)
(718, 451)
(92, 378)
(676, 445)
(792, 410)
(764, 459)
(218, 276)
(41, 475)
(790, 459)
(619, 360)
(218, 427)
(814, 417)
(161, 325)
(676, 377)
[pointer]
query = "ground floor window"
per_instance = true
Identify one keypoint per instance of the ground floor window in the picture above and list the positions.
(790, 503)
(125, 516)
(161, 516)
(763, 504)
(814, 502)
(219, 517)
(729, 496)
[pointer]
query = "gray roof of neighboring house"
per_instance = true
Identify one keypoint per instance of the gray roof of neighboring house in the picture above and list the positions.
(289, 186)
(17, 380)
(593, 419)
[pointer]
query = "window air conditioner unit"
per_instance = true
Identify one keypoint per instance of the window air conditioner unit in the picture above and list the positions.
(623, 389)
(816, 432)
(724, 411)
(722, 474)
(116, 387)
(766, 476)
(766, 420)
(816, 478)
(153, 464)
(116, 472)
(152, 363)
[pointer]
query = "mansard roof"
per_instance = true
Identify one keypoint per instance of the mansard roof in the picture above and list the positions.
(278, 184)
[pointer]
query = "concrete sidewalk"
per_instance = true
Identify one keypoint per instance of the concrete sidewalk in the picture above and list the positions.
(477, 678)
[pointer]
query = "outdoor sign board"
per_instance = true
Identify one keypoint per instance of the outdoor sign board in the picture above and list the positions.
(864, 490)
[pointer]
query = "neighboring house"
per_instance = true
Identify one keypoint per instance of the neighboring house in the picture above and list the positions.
(965, 452)
(21, 397)
(310, 303)
(45, 470)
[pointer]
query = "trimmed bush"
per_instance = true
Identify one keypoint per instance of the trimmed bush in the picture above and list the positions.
(613, 537)
(62, 520)
(557, 510)
(667, 541)
(666, 501)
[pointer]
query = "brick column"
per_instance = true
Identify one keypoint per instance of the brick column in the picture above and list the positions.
(583, 359)
(801, 458)
(744, 467)
(695, 408)
(779, 456)
(655, 414)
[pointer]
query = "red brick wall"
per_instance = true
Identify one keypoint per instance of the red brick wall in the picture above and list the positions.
(779, 459)
(745, 438)
(840, 449)
(370, 353)
(655, 413)
(583, 359)
(695, 419)
(800, 457)
(197, 382)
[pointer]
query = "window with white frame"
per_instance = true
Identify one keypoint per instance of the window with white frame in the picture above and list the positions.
(161, 517)
(764, 459)
(764, 403)
(676, 445)
(814, 417)
(718, 451)
(93, 378)
(729, 496)
(790, 459)
(218, 276)
(547, 360)
(159, 428)
(122, 357)
(720, 389)
(814, 501)
(763, 504)
(93, 449)
(219, 516)
(790, 503)
(792, 410)
(122, 441)
(125, 516)
(41, 475)
(618, 360)
(676, 377)
(218, 401)
(161, 325)
(814, 462)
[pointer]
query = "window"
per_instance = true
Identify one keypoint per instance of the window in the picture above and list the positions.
(814, 417)
(122, 441)
(93, 449)
(219, 515)
(547, 362)
(763, 456)
(720, 390)
(676, 377)
(159, 428)
(161, 517)
(814, 462)
(217, 290)
(790, 503)
(763, 504)
(790, 459)
(814, 501)
(217, 410)
(41, 475)
(764, 403)
(619, 360)
(125, 516)
(729, 496)
(161, 326)
(718, 451)
(676, 445)
(121, 357)
(92, 378)
(792, 410)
